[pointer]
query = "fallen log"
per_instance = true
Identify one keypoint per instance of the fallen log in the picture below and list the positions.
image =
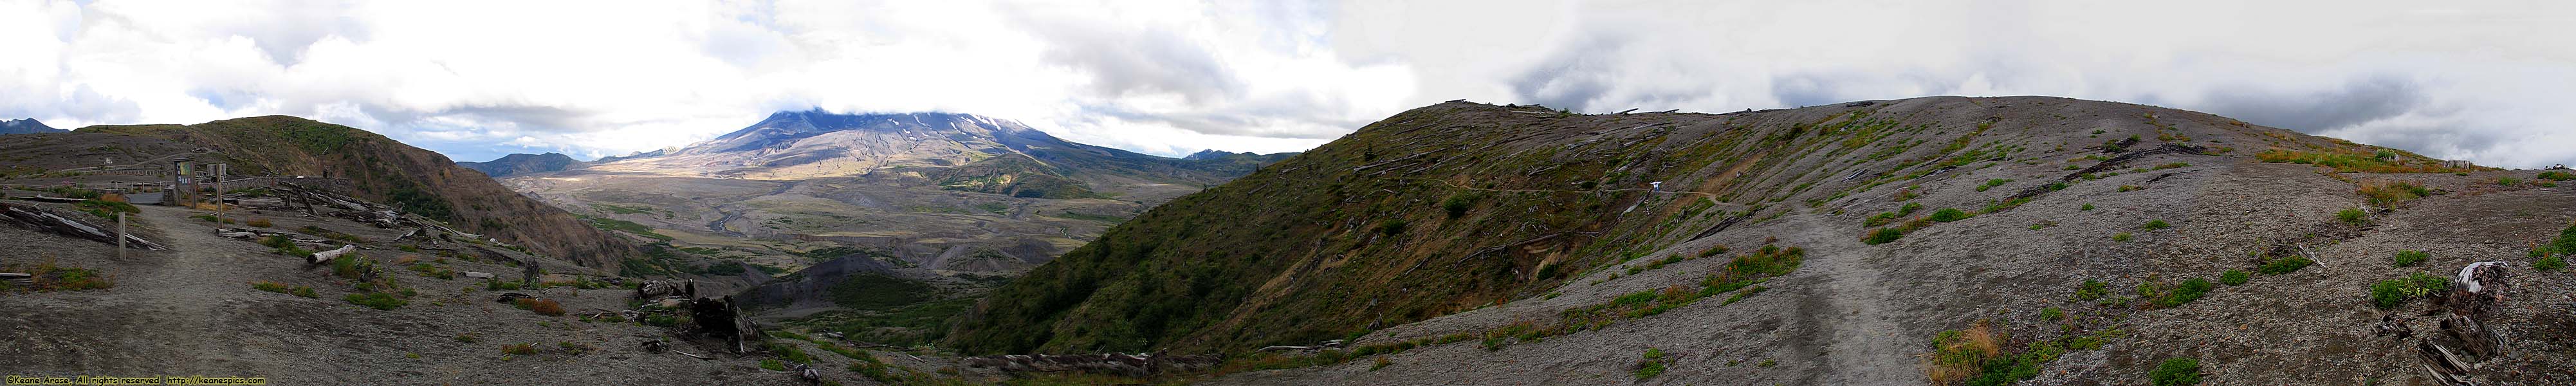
(18, 278)
(46, 220)
(326, 256)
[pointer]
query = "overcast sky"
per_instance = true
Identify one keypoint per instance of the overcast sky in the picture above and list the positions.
(2486, 81)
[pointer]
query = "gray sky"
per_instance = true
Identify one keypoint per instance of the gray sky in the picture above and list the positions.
(2474, 80)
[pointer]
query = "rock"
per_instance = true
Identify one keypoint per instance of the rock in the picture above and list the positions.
(478, 275)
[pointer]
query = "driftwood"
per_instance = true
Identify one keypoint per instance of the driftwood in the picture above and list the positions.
(2463, 343)
(18, 278)
(326, 256)
(807, 374)
(255, 234)
(478, 275)
(46, 220)
(658, 288)
(1134, 365)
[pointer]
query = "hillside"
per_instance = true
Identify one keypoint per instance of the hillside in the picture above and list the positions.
(385, 170)
(941, 204)
(523, 164)
(1484, 244)
(26, 126)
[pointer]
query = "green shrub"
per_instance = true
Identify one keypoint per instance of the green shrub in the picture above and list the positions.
(519, 349)
(2284, 265)
(2353, 216)
(1650, 369)
(2551, 263)
(2092, 289)
(2557, 176)
(2566, 243)
(1391, 227)
(2190, 290)
(2234, 277)
(2411, 258)
(1458, 204)
(2154, 225)
(1883, 236)
(2508, 181)
(2392, 293)
(2086, 207)
(1949, 214)
(2121, 237)
(2051, 314)
(2176, 372)
(376, 300)
(1990, 184)
(773, 365)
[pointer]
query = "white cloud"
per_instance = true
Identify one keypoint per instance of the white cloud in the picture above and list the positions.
(2472, 80)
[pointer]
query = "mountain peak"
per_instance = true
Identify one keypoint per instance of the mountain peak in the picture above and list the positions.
(523, 163)
(26, 126)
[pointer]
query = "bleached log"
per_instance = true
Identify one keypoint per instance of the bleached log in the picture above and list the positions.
(326, 256)
(478, 275)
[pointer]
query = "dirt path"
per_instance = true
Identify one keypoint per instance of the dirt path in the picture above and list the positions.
(1856, 330)
(182, 295)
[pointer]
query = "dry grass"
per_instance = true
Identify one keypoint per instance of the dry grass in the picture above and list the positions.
(1961, 354)
(547, 307)
(2390, 194)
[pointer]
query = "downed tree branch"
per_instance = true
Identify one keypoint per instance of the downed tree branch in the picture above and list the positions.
(45, 220)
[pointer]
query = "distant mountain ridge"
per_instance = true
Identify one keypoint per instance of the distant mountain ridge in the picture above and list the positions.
(523, 163)
(26, 126)
(953, 200)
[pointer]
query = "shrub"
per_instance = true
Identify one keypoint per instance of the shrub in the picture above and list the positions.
(2551, 263)
(2154, 225)
(1990, 184)
(2234, 277)
(1381, 363)
(2092, 289)
(2284, 265)
(1391, 226)
(519, 349)
(2566, 243)
(376, 300)
(2392, 293)
(1457, 205)
(2411, 258)
(1962, 354)
(2131, 188)
(547, 307)
(2557, 176)
(2189, 290)
(498, 285)
(1909, 208)
(2508, 181)
(1652, 366)
(2353, 216)
(1883, 236)
(2386, 194)
(1949, 214)
(2086, 207)
(2051, 314)
(282, 288)
(259, 222)
(2176, 372)
(2121, 237)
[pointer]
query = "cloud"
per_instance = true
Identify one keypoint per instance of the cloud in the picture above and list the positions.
(2472, 81)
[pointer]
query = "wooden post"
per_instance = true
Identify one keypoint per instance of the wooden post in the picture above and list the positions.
(120, 236)
(218, 171)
